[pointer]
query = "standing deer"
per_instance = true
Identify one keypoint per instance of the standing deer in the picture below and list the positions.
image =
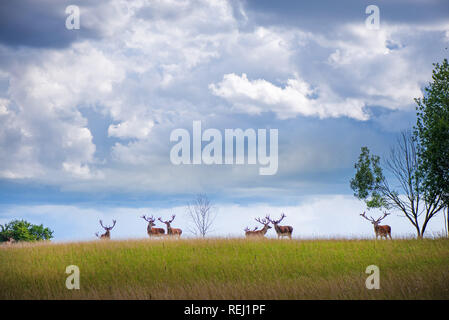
(153, 232)
(248, 232)
(171, 231)
(382, 231)
(11, 240)
(107, 234)
(261, 232)
(282, 231)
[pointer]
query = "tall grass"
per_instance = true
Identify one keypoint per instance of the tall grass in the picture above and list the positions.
(227, 269)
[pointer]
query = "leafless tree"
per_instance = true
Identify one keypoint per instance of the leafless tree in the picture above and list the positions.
(409, 196)
(202, 214)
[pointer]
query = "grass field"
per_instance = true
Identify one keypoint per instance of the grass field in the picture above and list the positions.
(227, 269)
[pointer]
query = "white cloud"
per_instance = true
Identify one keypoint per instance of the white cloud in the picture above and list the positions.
(150, 70)
(296, 98)
(134, 128)
(382, 67)
(4, 106)
(45, 131)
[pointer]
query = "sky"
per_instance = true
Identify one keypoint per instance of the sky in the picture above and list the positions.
(86, 114)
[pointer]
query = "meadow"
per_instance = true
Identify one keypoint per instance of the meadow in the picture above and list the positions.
(227, 268)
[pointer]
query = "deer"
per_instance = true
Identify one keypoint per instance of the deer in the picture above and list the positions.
(153, 232)
(248, 231)
(10, 241)
(282, 231)
(382, 231)
(261, 232)
(171, 231)
(107, 234)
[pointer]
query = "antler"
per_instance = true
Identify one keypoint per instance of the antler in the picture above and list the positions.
(108, 228)
(247, 229)
(277, 221)
(168, 221)
(264, 221)
(381, 218)
(150, 219)
(364, 215)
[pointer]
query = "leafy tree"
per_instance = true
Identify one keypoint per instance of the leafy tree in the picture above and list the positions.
(403, 190)
(432, 133)
(367, 180)
(21, 230)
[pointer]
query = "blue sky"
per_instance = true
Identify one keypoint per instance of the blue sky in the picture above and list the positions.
(86, 115)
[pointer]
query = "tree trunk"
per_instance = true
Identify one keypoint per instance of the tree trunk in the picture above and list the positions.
(419, 232)
(446, 221)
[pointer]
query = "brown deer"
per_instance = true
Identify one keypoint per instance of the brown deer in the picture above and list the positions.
(153, 232)
(282, 231)
(10, 240)
(107, 234)
(382, 231)
(248, 231)
(261, 232)
(171, 231)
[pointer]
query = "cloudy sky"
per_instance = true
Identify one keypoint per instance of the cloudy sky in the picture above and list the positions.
(86, 114)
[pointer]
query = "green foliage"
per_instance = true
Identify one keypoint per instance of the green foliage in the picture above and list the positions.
(432, 133)
(366, 183)
(21, 230)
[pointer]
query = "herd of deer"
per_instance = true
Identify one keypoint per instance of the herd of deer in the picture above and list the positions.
(152, 232)
(282, 231)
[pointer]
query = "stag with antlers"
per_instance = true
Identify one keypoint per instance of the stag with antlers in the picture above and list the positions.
(107, 234)
(282, 231)
(171, 231)
(261, 232)
(248, 231)
(382, 231)
(153, 232)
(10, 240)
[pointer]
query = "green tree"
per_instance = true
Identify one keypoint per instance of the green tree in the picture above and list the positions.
(402, 190)
(21, 230)
(432, 134)
(366, 183)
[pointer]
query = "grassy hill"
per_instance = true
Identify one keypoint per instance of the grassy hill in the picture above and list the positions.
(227, 269)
